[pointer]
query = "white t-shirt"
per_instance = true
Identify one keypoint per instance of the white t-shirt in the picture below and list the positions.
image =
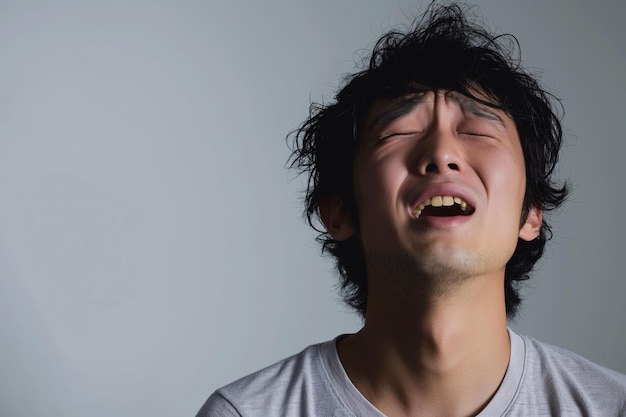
(541, 380)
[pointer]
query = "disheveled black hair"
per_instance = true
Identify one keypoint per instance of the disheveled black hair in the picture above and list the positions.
(444, 50)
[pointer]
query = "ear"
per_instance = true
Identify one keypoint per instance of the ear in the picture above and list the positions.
(532, 226)
(336, 218)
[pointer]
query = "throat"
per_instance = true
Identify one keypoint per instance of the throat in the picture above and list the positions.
(400, 377)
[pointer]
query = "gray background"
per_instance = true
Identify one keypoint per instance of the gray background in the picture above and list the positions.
(151, 243)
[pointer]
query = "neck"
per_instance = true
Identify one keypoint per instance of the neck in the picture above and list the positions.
(443, 355)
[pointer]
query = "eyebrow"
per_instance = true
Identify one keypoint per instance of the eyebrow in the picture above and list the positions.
(471, 106)
(401, 107)
(395, 110)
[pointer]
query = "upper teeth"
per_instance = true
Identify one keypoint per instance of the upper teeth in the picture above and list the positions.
(441, 200)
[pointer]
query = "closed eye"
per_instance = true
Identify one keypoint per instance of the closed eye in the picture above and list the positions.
(392, 134)
(476, 134)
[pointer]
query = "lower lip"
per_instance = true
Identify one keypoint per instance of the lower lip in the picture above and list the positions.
(442, 222)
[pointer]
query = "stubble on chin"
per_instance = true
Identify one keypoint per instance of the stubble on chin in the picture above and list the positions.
(426, 275)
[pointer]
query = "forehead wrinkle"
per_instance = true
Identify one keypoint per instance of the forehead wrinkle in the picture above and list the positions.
(472, 107)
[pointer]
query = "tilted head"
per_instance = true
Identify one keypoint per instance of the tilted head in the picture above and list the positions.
(444, 51)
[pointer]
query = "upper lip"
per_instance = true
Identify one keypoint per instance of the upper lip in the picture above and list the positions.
(442, 189)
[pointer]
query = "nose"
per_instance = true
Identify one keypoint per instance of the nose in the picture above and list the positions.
(439, 153)
(430, 168)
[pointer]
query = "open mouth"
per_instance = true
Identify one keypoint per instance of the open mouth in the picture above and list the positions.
(443, 206)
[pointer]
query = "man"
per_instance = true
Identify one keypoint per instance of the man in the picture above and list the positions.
(431, 172)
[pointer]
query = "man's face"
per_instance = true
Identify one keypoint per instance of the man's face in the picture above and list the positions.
(439, 184)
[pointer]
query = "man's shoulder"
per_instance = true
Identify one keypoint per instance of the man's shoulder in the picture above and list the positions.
(277, 388)
(294, 368)
(568, 378)
(555, 360)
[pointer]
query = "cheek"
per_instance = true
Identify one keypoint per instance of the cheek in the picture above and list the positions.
(378, 180)
(504, 177)
(518, 187)
(510, 187)
(377, 191)
(507, 175)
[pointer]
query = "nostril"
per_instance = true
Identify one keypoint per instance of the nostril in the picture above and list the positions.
(432, 167)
